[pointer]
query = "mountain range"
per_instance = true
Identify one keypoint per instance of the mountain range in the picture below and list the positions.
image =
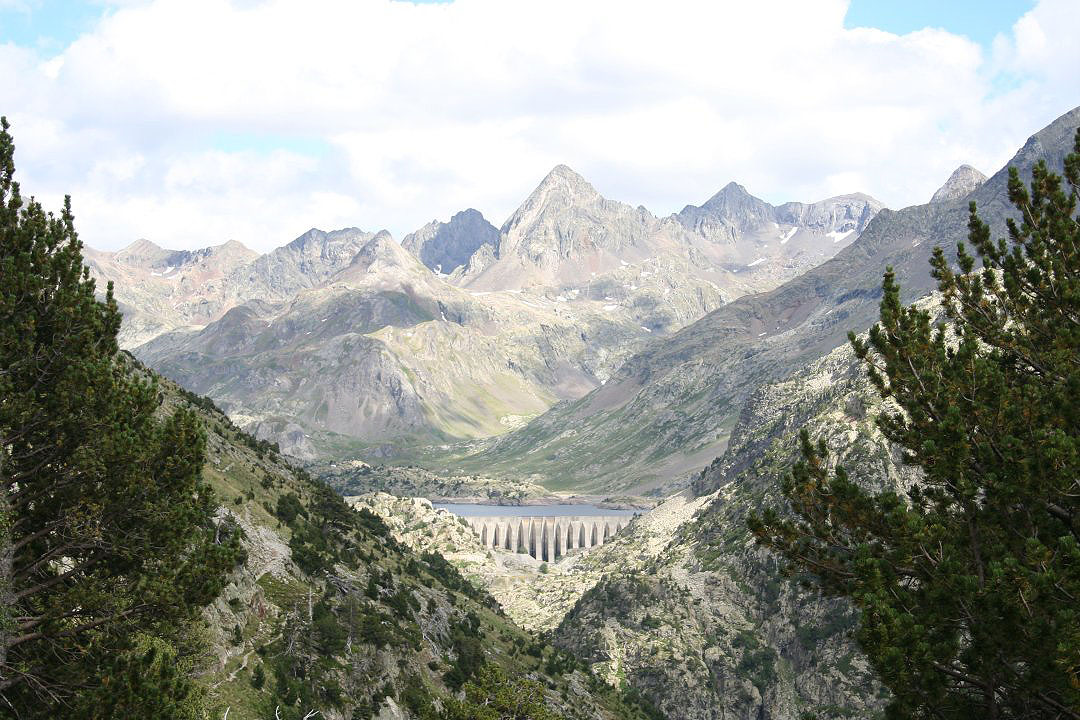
(349, 342)
(584, 345)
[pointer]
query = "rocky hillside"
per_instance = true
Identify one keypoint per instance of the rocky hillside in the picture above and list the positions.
(670, 408)
(330, 614)
(682, 605)
(159, 290)
(709, 628)
(386, 351)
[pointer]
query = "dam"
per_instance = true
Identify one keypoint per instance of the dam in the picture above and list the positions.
(546, 538)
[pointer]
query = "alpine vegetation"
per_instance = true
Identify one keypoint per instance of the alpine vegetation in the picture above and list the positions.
(109, 545)
(968, 580)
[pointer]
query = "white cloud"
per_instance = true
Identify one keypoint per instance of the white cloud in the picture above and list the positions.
(422, 110)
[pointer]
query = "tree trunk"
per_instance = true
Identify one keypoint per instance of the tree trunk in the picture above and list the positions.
(7, 569)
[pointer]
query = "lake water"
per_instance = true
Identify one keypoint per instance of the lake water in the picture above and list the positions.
(470, 510)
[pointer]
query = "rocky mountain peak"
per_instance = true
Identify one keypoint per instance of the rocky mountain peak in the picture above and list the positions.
(843, 213)
(566, 204)
(142, 253)
(303, 263)
(381, 254)
(733, 207)
(565, 176)
(334, 248)
(964, 180)
(467, 215)
(443, 247)
(382, 244)
(544, 241)
(561, 189)
(229, 255)
(234, 246)
(732, 192)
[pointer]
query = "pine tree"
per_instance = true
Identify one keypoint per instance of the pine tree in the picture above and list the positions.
(490, 695)
(107, 529)
(968, 584)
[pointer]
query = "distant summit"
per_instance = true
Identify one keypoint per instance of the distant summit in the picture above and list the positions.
(564, 232)
(564, 180)
(843, 213)
(964, 180)
(142, 253)
(561, 191)
(445, 246)
(733, 213)
(381, 254)
(733, 207)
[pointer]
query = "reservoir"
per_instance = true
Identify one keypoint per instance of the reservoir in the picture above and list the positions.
(471, 510)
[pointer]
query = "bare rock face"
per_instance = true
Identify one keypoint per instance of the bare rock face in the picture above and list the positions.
(288, 436)
(767, 245)
(564, 233)
(733, 213)
(564, 217)
(964, 181)
(841, 214)
(728, 214)
(305, 262)
(444, 247)
(143, 254)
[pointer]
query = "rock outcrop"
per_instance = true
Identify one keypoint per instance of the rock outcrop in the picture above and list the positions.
(444, 247)
(964, 181)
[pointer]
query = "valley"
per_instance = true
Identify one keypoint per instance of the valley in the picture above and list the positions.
(580, 410)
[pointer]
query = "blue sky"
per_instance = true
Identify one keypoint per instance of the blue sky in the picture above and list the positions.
(191, 122)
(47, 24)
(979, 20)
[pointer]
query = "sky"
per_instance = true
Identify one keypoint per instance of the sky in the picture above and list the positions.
(194, 122)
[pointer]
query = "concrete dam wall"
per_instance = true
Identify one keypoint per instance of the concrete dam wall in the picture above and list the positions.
(546, 538)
